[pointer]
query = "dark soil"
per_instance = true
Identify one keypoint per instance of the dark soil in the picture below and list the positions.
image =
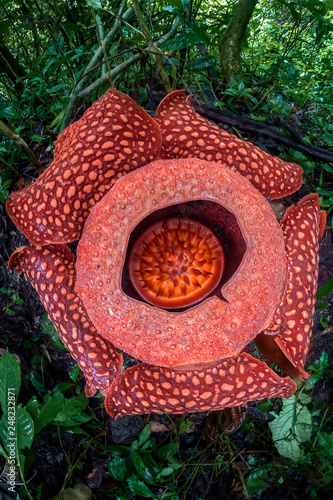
(21, 333)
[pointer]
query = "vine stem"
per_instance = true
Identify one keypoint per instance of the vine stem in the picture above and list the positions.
(74, 465)
(235, 464)
(158, 53)
(20, 142)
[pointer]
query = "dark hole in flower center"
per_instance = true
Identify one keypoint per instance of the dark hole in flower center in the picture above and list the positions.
(220, 223)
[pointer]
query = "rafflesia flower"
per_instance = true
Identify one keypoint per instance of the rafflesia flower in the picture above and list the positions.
(181, 264)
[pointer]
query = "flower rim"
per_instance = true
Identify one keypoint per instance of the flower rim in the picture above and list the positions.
(193, 338)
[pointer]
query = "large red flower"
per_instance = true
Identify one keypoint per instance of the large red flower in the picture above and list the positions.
(181, 264)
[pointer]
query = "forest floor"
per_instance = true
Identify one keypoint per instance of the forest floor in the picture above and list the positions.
(44, 366)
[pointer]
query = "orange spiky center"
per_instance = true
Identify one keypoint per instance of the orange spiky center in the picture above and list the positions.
(176, 264)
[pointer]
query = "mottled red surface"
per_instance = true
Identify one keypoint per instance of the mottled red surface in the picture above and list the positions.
(292, 321)
(144, 388)
(268, 285)
(51, 272)
(113, 137)
(187, 135)
(207, 332)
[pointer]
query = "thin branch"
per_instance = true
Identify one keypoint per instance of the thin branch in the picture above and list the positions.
(20, 142)
(154, 50)
(5, 166)
(94, 61)
(100, 36)
(121, 67)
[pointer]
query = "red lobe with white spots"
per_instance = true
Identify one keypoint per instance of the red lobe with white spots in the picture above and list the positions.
(186, 134)
(232, 382)
(113, 137)
(52, 274)
(302, 226)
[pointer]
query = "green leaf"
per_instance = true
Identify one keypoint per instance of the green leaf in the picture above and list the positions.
(73, 406)
(292, 427)
(144, 436)
(19, 431)
(3, 452)
(256, 480)
(203, 62)
(325, 441)
(10, 376)
(49, 329)
(167, 471)
(74, 372)
(185, 426)
(5, 26)
(143, 470)
(117, 468)
(182, 41)
(33, 408)
(49, 410)
(323, 305)
(325, 290)
(138, 487)
(318, 368)
(96, 4)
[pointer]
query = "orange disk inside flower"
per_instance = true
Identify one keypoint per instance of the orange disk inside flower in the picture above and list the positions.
(176, 263)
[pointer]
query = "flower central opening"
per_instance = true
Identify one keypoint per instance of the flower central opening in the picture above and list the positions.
(176, 263)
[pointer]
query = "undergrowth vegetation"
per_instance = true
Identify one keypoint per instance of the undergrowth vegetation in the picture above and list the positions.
(299, 437)
(56, 58)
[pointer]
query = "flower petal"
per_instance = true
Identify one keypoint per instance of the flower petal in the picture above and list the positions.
(144, 388)
(186, 134)
(301, 225)
(51, 271)
(113, 137)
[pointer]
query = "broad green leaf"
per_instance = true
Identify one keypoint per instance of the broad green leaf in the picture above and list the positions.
(167, 451)
(117, 468)
(19, 432)
(325, 441)
(144, 435)
(143, 470)
(323, 305)
(49, 410)
(177, 3)
(185, 426)
(292, 427)
(10, 376)
(200, 32)
(74, 372)
(5, 26)
(203, 62)
(181, 41)
(3, 452)
(97, 4)
(138, 487)
(256, 480)
(73, 406)
(325, 290)
(48, 326)
(33, 408)
(167, 471)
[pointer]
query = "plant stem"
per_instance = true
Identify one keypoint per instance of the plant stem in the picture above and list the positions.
(156, 53)
(121, 67)
(20, 142)
(74, 465)
(4, 165)
(235, 464)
